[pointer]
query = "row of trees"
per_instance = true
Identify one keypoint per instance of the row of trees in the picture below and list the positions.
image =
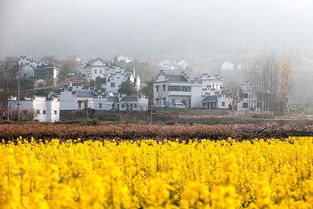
(271, 79)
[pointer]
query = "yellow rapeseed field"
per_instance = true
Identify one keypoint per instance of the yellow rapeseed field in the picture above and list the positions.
(150, 174)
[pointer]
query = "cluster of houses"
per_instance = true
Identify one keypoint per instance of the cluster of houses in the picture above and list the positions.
(30, 68)
(169, 91)
(75, 96)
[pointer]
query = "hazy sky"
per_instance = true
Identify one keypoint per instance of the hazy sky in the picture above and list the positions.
(148, 28)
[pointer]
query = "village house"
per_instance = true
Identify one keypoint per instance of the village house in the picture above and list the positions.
(248, 97)
(203, 92)
(95, 68)
(170, 89)
(115, 79)
(27, 67)
(77, 100)
(41, 108)
(47, 72)
(80, 100)
(114, 75)
(211, 84)
(133, 103)
(106, 102)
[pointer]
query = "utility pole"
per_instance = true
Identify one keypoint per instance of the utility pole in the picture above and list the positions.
(7, 91)
(151, 114)
(86, 105)
(18, 93)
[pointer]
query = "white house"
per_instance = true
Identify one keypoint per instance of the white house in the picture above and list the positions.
(203, 92)
(106, 102)
(217, 102)
(43, 109)
(133, 103)
(169, 89)
(211, 84)
(77, 100)
(95, 68)
(115, 79)
(47, 72)
(27, 67)
(248, 96)
(114, 75)
(80, 100)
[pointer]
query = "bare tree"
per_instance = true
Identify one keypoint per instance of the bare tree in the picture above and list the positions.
(284, 82)
(271, 78)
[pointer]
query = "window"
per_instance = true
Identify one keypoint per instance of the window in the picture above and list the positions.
(135, 105)
(186, 88)
(79, 104)
(112, 84)
(223, 104)
(157, 88)
(174, 88)
(44, 112)
(212, 85)
(38, 112)
(55, 112)
(164, 87)
(123, 105)
(95, 71)
(100, 71)
(112, 106)
(245, 95)
(245, 105)
(100, 105)
(173, 101)
(180, 88)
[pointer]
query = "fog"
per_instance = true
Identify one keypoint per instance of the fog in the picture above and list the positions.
(152, 29)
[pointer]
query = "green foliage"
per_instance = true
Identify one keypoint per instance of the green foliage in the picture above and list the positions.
(148, 89)
(128, 88)
(98, 83)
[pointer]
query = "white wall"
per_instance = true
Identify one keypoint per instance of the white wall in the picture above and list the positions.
(44, 110)
(196, 96)
(106, 105)
(224, 100)
(141, 105)
(26, 67)
(117, 79)
(69, 101)
(251, 100)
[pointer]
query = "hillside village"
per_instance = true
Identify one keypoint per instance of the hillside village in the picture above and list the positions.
(107, 85)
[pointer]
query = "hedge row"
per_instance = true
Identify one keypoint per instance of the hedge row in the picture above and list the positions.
(126, 132)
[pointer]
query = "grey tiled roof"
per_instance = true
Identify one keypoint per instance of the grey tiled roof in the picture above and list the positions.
(176, 78)
(86, 94)
(129, 99)
(210, 99)
(112, 99)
